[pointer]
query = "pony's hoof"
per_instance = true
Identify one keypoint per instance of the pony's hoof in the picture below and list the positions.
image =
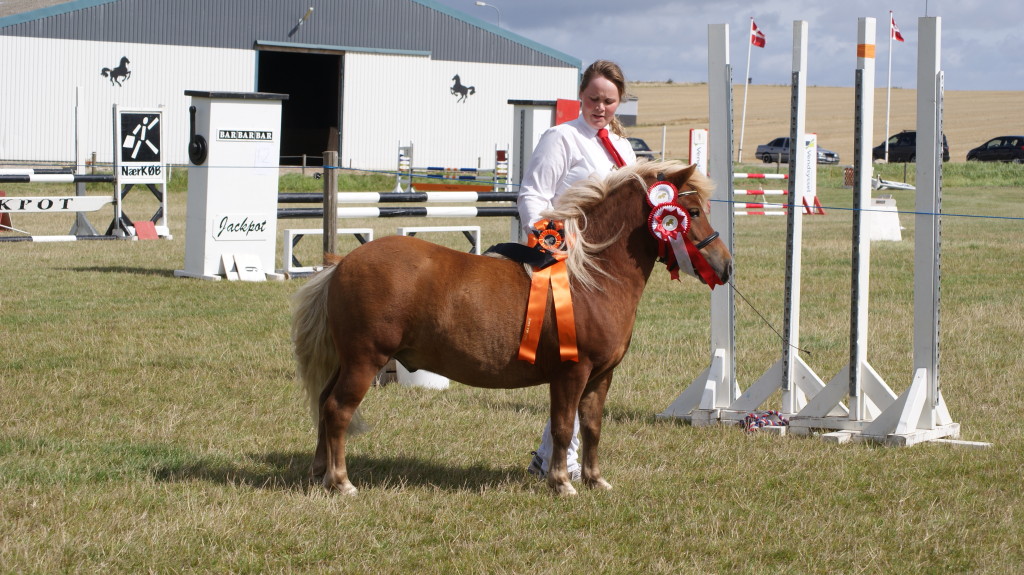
(344, 487)
(599, 483)
(564, 489)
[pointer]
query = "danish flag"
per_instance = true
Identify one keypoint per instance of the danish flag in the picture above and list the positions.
(894, 30)
(756, 36)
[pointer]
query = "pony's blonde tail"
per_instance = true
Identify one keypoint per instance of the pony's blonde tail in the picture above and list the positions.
(316, 360)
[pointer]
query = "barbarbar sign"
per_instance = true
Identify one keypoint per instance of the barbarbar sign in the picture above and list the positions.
(246, 135)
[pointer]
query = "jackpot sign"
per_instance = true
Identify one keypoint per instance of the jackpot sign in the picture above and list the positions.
(241, 228)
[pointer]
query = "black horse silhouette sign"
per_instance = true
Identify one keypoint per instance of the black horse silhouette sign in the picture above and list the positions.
(461, 91)
(120, 72)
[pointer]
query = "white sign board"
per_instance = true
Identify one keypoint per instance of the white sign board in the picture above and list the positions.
(139, 160)
(699, 149)
(138, 157)
(810, 151)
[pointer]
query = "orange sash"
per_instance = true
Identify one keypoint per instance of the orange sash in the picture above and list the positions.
(557, 276)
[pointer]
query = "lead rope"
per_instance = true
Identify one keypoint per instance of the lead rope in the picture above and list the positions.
(764, 319)
(758, 419)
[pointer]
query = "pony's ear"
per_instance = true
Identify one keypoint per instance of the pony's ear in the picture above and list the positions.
(680, 177)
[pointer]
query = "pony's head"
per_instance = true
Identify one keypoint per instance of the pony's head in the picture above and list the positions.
(599, 212)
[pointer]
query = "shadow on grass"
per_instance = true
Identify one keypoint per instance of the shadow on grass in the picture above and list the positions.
(290, 472)
(162, 272)
(611, 413)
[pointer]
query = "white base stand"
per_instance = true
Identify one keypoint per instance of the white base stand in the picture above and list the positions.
(420, 378)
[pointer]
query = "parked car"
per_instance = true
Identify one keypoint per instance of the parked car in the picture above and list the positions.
(641, 149)
(778, 151)
(903, 148)
(1001, 149)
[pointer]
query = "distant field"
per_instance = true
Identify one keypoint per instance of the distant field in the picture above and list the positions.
(969, 118)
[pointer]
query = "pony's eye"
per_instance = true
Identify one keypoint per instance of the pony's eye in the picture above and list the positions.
(694, 213)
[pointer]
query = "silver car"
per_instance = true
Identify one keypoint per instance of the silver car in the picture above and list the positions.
(778, 151)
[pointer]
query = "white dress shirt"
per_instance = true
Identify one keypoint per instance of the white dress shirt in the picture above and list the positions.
(565, 154)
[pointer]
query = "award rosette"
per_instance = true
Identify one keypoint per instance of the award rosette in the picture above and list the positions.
(547, 236)
(668, 221)
(669, 224)
(661, 193)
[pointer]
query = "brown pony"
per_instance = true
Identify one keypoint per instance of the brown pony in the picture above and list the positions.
(461, 315)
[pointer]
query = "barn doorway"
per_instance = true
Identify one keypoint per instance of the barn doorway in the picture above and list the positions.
(310, 117)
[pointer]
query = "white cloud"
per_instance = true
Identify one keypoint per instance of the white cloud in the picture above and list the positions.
(663, 39)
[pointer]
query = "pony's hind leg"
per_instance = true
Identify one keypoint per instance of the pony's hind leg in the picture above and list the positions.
(591, 409)
(319, 466)
(336, 414)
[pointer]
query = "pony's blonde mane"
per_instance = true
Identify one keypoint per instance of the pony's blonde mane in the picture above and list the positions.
(572, 206)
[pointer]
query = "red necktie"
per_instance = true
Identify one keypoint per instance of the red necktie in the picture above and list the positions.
(603, 135)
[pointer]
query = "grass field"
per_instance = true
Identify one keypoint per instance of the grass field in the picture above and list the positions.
(152, 424)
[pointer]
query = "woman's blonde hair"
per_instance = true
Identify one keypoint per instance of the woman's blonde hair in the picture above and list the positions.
(610, 71)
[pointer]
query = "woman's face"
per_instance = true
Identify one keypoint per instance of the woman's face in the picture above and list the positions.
(600, 99)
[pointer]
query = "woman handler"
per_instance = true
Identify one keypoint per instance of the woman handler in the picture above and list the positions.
(566, 154)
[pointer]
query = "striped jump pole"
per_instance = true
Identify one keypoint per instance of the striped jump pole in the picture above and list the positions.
(404, 197)
(27, 176)
(72, 205)
(468, 178)
(759, 209)
(402, 212)
(746, 176)
(336, 202)
(761, 192)
(391, 197)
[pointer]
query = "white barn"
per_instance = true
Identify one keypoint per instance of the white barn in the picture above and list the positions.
(363, 76)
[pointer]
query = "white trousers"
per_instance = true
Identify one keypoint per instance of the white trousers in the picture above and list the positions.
(547, 445)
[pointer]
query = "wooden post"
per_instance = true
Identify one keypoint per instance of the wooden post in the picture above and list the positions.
(330, 204)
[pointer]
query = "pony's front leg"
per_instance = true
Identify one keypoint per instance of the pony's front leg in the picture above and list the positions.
(591, 410)
(336, 415)
(563, 414)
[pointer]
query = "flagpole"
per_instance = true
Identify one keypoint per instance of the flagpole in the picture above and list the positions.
(888, 90)
(746, 86)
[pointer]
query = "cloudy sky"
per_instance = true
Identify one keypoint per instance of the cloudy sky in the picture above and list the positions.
(658, 40)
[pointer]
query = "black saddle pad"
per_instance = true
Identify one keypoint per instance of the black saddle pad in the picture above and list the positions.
(523, 254)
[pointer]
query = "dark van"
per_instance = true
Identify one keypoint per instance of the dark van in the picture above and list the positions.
(903, 148)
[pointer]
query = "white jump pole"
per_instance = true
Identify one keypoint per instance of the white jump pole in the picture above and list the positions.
(866, 390)
(865, 113)
(790, 373)
(876, 414)
(716, 387)
(920, 413)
